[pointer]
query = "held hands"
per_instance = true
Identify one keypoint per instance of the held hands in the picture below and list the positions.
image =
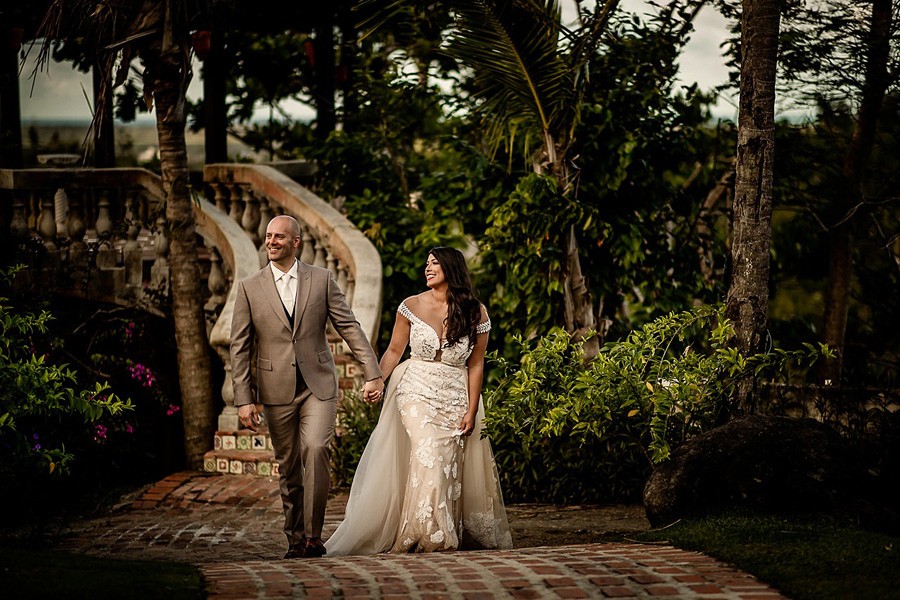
(249, 416)
(373, 390)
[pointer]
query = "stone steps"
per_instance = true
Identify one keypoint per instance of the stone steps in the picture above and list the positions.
(242, 452)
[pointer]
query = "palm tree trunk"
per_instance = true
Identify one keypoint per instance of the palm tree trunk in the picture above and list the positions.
(170, 84)
(577, 297)
(748, 291)
(579, 303)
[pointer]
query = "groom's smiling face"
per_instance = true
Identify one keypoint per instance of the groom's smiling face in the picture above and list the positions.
(282, 242)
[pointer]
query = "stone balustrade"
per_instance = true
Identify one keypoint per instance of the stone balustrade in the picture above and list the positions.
(106, 228)
(102, 225)
(253, 194)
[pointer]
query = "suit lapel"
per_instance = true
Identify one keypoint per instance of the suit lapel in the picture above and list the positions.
(304, 275)
(267, 280)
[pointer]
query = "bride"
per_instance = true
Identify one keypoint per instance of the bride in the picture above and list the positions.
(427, 480)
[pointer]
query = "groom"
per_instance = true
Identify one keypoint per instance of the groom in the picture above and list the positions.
(284, 309)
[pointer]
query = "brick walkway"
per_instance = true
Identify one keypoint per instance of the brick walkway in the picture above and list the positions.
(230, 526)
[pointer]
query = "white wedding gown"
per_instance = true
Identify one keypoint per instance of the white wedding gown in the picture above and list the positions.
(420, 486)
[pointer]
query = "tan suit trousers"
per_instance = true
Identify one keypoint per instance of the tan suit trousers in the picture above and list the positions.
(301, 435)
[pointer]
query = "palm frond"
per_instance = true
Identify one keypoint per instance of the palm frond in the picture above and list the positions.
(512, 47)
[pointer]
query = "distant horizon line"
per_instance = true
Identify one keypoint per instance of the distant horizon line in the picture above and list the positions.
(86, 121)
(78, 121)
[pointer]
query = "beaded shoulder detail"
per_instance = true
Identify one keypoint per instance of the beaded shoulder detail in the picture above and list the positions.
(404, 310)
(483, 327)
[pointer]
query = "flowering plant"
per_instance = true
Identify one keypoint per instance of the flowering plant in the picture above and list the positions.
(41, 401)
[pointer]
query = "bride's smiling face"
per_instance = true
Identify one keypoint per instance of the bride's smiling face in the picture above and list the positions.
(434, 274)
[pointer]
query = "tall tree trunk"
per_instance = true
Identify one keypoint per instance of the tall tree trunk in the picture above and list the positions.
(170, 79)
(326, 117)
(102, 128)
(10, 111)
(579, 303)
(840, 243)
(748, 291)
(349, 61)
(215, 111)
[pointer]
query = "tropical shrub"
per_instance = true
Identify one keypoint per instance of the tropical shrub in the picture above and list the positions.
(43, 408)
(621, 413)
(356, 420)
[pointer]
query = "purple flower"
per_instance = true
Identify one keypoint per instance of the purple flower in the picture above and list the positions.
(37, 447)
(173, 408)
(100, 431)
(142, 374)
(129, 428)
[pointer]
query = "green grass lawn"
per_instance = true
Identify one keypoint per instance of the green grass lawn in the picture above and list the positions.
(31, 573)
(807, 558)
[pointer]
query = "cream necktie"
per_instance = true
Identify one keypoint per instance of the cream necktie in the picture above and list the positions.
(287, 298)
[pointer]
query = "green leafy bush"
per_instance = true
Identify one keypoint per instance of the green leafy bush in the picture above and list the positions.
(40, 402)
(568, 431)
(356, 419)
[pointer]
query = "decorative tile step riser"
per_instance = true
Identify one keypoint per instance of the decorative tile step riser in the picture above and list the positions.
(237, 462)
(241, 440)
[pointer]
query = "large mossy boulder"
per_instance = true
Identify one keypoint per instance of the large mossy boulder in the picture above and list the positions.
(761, 463)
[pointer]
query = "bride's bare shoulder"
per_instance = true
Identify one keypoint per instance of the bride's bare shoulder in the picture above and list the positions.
(419, 300)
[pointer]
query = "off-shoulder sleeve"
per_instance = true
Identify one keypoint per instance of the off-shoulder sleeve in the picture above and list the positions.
(404, 310)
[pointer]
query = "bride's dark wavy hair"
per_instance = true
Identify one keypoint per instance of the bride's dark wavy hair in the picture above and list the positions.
(463, 306)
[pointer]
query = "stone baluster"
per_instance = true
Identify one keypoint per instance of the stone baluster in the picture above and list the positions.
(33, 210)
(351, 288)
(18, 225)
(132, 254)
(75, 225)
(331, 263)
(106, 256)
(89, 213)
(46, 226)
(342, 274)
(217, 282)
(103, 224)
(219, 194)
(228, 418)
(159, 272)
(236, 210)
(266, 214)
(61, 212)
(307, 248)
(319, 261)
(146, 205)
(218, 288)
(250, 219)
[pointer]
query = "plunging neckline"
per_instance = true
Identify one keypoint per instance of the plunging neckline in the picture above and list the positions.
(428, 325)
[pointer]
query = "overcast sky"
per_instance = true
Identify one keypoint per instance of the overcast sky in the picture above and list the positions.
(60, 93)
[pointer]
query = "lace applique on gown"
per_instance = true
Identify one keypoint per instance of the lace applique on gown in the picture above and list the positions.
(421, 486)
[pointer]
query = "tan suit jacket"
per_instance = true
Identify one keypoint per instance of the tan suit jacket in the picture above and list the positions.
(259, 314)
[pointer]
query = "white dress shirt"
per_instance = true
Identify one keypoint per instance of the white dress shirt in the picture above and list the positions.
(286, 284)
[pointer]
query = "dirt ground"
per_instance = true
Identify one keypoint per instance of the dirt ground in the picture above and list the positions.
(551, 525)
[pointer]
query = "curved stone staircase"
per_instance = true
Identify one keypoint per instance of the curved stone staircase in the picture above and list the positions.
(104, 227)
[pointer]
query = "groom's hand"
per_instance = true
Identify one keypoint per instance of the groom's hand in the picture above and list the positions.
(373, 389)
(248, 416)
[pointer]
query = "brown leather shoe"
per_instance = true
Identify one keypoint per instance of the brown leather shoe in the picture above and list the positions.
(315, 548)
(297, 550)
